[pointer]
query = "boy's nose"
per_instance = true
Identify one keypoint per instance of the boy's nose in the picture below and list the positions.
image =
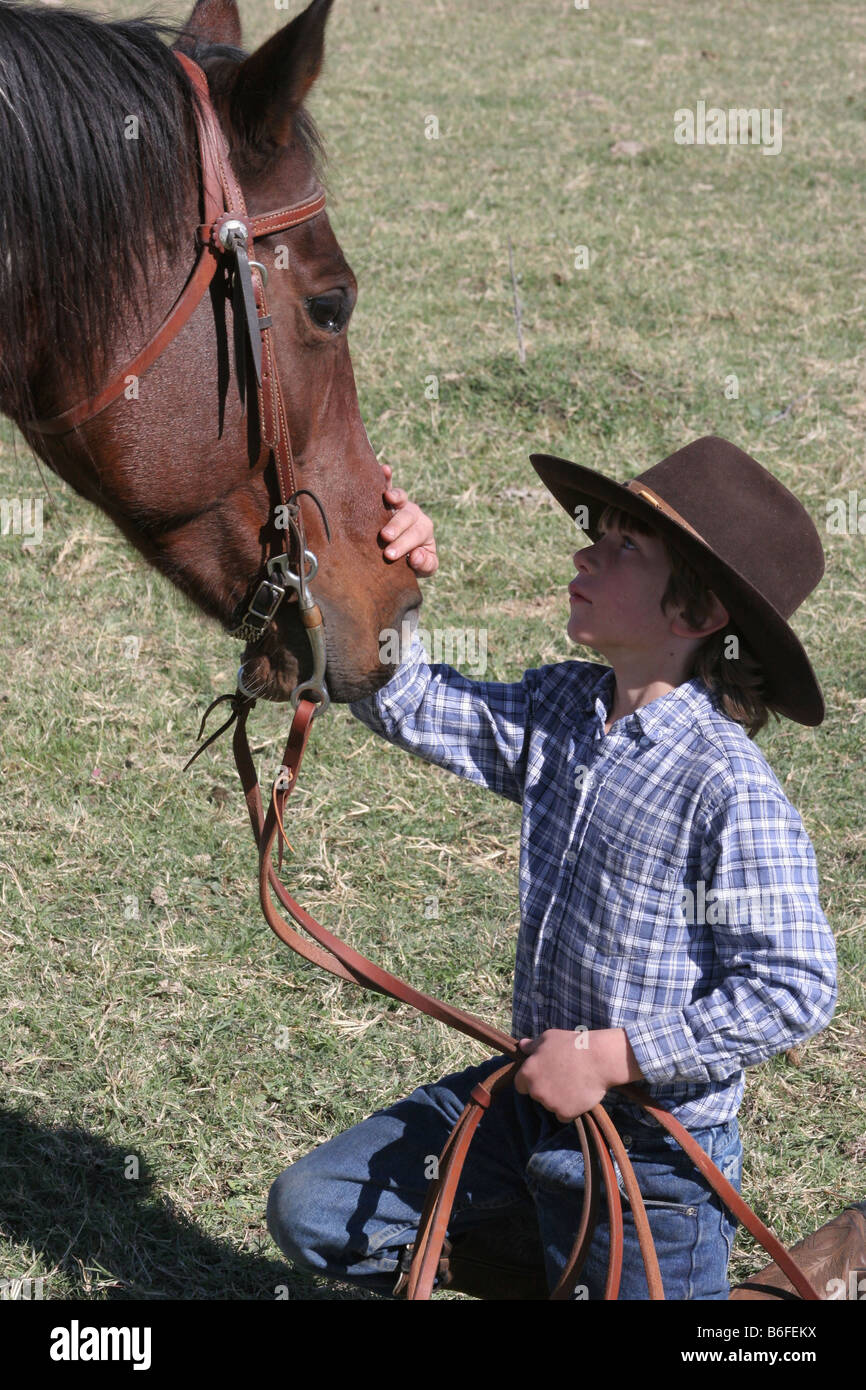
(580, 558)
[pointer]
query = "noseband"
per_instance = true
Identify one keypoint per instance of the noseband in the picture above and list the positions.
(226, 238)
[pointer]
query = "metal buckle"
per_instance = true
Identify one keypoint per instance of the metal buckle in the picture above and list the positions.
(272, 594)
(255, 619)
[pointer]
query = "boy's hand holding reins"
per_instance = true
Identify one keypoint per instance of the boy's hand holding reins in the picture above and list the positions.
(568, 1071)
(409, 532)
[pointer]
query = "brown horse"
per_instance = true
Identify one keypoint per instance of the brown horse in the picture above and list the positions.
(100, 173)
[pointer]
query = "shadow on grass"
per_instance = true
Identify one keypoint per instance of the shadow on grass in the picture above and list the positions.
(63, 1193)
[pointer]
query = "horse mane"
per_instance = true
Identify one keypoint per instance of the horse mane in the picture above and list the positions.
(83, 205)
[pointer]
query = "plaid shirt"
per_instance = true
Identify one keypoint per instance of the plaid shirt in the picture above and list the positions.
(667, 885)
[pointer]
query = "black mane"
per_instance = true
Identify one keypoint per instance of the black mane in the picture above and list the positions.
(79, 201)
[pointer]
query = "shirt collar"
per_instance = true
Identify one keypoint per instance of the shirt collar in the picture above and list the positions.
(672, 715)
(664, 719)
(599, 697)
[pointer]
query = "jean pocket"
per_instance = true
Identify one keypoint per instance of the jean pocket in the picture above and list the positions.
(666, 1175)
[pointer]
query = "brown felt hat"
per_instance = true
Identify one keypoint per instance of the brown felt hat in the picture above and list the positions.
(740, 529)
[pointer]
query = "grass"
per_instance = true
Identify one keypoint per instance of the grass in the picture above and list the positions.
(147, 1013)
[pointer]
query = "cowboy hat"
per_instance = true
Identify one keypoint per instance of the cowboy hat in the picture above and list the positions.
(739, 528)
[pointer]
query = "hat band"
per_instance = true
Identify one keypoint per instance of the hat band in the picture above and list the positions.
(635, 485)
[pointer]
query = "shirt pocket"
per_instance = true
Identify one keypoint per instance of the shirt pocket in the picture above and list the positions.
(640, 900)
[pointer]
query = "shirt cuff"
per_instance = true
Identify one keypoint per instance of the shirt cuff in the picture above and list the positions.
(390, 697)
(666, 1049)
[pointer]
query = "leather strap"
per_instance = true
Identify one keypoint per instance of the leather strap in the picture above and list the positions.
(638, 1210)
(332, 954)
(433, 1226)
(725, 1191)
(193, 291)
(641, 490)
(185, 306)
(588, 1216)
(266, 223)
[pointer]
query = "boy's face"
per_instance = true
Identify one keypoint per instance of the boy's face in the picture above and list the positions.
(616, 596)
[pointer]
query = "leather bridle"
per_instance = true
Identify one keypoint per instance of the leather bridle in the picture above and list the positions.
(226, 236)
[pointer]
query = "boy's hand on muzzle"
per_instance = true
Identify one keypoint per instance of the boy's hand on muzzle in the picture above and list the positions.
(409, 532)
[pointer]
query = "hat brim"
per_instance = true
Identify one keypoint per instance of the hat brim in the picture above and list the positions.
(791, 685)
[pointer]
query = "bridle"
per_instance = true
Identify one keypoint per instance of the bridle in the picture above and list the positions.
(228, 234)
(226, 239)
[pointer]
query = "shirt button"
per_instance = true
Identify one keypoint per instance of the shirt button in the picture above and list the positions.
(570, 856)
(626, 1141)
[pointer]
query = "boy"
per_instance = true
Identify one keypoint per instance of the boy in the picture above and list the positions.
(671, 932)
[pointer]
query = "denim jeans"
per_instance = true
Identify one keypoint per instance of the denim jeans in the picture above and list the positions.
(346, 1210)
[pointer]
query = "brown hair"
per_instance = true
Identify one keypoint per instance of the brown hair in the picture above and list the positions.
(735, 681)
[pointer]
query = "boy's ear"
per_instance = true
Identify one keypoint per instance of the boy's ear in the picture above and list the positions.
(717, 617)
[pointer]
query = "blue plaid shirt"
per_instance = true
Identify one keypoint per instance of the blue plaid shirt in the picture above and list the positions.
(667, 885)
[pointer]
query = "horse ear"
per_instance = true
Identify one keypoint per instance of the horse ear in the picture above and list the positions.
(212, 21)
(272, 83)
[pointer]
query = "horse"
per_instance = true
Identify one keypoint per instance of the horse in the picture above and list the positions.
(104, 197)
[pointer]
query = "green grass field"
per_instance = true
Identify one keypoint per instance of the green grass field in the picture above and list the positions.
(147, 1012)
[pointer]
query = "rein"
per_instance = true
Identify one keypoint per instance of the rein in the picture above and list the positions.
(224, 240)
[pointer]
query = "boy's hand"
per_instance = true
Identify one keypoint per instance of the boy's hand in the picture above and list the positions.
(409, 531)
(569, 1071)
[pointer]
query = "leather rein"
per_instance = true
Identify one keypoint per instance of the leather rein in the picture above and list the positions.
(226, 237)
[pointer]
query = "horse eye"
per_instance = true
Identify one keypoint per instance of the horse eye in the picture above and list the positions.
(328, 311)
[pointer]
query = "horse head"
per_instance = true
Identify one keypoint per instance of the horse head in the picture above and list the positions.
(170, 459)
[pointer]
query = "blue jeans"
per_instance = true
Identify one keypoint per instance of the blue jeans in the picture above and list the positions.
(347, 1209)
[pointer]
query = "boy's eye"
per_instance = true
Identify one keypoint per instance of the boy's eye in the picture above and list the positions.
(625, 540)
